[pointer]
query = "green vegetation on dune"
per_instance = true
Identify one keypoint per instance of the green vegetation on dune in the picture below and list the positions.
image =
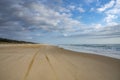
(3, 40)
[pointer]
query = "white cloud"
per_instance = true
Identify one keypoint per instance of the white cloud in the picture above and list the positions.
(116, 9)
(98, 31)
(52, 19)
(72, 7)
(109, 18)
(21, 19)
(65, 35)
(80, 9)
(97, 26)
(63, 9)
(111, 11)
(90, 1)
(40, 16)
(106, 6)
(76, 8)
(38, 34)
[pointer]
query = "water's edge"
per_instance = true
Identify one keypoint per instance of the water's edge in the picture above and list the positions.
(104, 50)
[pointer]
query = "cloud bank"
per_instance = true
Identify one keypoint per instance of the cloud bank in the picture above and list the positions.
(33, 18)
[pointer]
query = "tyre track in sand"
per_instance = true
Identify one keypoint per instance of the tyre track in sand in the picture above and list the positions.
(30, 65)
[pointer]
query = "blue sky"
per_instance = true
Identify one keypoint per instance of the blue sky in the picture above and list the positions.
(61, 21)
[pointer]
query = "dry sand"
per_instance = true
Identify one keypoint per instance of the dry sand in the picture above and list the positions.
(44, 62)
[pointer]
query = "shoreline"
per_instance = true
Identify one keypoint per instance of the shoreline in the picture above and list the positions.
(81, 52)
(111, 55)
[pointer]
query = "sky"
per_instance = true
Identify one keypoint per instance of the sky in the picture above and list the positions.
(61, 21)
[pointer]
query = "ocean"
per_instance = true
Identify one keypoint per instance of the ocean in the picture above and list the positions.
(110, 50)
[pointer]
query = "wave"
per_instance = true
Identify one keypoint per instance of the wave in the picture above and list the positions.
(110, 50)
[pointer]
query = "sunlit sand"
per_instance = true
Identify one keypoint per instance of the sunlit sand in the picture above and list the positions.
(45, 62)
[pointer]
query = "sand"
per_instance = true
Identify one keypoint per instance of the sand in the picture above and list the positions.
(45, 62)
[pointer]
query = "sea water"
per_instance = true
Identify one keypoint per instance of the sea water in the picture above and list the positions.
(110, 50)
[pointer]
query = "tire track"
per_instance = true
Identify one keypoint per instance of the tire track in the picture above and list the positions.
(48, 60)
(30, 65)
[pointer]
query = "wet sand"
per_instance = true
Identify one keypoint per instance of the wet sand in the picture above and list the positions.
(45, 62)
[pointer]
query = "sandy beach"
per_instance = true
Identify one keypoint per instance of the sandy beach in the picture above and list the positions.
(45, 62)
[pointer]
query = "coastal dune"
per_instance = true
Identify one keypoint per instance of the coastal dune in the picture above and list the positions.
(46, 62)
